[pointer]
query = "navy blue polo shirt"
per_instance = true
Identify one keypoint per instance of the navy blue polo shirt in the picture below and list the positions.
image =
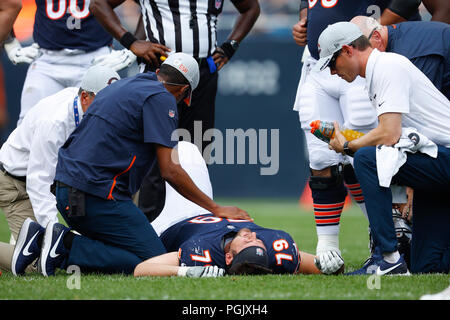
(427, 45)
(112, 149)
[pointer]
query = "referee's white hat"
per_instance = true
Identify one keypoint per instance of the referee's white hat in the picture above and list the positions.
(332, 39)
(97, 78)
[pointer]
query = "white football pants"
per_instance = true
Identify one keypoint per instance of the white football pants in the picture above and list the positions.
(177, 207)
(326, 97)
(54, 71)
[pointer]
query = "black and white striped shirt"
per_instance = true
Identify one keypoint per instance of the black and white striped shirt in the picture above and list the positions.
(188, 26)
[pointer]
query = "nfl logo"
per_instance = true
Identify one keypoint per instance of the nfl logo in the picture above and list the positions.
(171, 113)
(259, 252)
(218, 4)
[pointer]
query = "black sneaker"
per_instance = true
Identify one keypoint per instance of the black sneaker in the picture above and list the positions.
(397, 268)
(27, 248)
(53, 253)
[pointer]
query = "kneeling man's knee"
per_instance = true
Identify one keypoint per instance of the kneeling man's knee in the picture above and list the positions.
(364, 157)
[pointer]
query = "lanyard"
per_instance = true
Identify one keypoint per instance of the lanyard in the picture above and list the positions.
(76, 114)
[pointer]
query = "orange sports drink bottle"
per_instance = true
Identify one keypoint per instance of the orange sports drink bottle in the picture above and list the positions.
(325, 131)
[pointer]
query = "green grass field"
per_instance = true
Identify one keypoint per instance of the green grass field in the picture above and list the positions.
(280, 214)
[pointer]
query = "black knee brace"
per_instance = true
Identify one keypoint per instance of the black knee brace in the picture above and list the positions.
(324, 183)
(349, 174)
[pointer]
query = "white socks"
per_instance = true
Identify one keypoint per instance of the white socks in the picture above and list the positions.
(391, 257)
(326, 242)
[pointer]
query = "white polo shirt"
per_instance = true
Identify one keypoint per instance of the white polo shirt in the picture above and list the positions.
(395, 85)
(32, 149)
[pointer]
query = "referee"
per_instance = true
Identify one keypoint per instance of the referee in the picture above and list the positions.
(180, 26)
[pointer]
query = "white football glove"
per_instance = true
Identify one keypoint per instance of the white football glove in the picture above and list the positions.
(204, 272)
(116, 60)
(18, 54)
(329, 261)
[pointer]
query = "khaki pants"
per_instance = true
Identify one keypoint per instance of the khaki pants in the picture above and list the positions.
(15, 203)
(6, 253)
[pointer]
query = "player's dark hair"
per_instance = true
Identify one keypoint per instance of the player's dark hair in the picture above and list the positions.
(171, 74)
(248, 269)
(361, 44)
(252, 260)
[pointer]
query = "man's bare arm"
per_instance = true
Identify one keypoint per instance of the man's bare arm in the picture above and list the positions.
(399, 11)
(299, 30)
(439, 9)
(174, 174)
(9, 10)
(387, 132)
(248, 14)
(103, 10)
(165, 265)
(307, 265)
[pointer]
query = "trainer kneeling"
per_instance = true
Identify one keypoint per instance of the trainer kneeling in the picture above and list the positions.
(128, 127)
(410, 146)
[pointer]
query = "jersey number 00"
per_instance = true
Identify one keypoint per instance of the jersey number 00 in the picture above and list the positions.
(56, 9)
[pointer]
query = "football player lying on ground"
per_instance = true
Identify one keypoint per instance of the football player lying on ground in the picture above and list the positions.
(193, 237)
(202, 245)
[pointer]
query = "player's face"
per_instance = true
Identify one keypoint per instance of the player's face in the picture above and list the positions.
(245, 238)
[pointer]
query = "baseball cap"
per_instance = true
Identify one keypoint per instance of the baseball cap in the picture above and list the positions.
(188, 67)
(251, 260)
(97, 78)
(332, 39)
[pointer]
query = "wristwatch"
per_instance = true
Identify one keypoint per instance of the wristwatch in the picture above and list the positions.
(234, 44)
(347, 150)
(229, 47)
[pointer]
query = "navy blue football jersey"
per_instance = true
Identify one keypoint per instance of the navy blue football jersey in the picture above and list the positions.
(199, 242)
(61, 24)
(322, 13)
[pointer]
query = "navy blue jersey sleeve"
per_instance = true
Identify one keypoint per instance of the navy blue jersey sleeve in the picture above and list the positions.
(282, 250)
(201, 252)
(160, 119)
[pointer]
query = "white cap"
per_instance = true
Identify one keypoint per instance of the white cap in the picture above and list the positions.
(188, 67)
(332, 39)
(97, 78)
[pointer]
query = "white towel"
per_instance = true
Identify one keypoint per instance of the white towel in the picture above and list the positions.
(391, 158)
